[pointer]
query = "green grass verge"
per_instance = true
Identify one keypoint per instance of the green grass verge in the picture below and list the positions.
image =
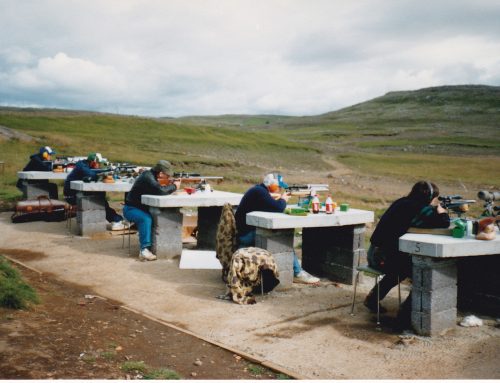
(162, 374)
(15, 293)
(149, 373)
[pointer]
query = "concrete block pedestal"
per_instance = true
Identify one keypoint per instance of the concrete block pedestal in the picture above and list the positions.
(435, 277)
(90, 213)
(36, 183)
(434, 295)
(333, 252)
(208, 219)
(35, 189)
(280, 244)
(167, 232)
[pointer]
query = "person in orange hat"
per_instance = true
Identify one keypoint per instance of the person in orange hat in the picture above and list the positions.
(40, 162)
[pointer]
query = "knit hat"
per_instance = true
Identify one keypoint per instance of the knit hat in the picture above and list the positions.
(270, 179)
(163, 166)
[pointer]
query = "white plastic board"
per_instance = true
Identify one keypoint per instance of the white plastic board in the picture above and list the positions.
(199, 259)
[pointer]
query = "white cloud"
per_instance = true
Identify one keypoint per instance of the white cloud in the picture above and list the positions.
(294, 57)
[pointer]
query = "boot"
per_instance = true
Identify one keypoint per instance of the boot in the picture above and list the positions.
(403, 319)
(371, 302)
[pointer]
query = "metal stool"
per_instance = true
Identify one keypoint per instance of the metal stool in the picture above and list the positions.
(127, 225)
(371, 272)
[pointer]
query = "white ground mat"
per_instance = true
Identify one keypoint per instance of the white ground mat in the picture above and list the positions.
(199, 259)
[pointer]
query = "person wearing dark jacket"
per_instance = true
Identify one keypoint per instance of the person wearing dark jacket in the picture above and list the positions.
(258, 198)
(420, 208)
(88, 170)
(40, 162)
(135, 211)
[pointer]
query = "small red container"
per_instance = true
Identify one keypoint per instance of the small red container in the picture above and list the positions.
(189, 190)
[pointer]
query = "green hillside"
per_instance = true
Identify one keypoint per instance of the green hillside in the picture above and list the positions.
(448, 133)
(241, 157)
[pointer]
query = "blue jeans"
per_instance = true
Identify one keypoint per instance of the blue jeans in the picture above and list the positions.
(144, 223)
(248, 240)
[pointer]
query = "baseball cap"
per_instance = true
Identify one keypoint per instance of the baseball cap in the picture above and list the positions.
(47, 149)
(163, 166)
(94, 157)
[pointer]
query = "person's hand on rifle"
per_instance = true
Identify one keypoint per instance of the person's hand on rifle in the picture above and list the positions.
(440, 209)
(177, 183)
(286, 196)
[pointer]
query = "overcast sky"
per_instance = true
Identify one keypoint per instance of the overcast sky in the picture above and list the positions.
(293, 57)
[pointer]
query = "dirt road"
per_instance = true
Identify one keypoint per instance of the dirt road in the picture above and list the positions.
(306, 329)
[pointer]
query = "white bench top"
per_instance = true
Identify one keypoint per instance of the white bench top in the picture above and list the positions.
(285, 221)
(444, 246)
(198, 199)
(36, 175)
(117, 186)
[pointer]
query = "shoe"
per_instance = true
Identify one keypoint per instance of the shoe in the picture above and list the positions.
(117, 225)
(146, 255)
(372, 306)
(305, 277)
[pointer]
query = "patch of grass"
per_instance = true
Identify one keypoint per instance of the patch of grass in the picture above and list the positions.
(281, 376)
(134, 366)
(89, 359)
(425, 142)
(149, 373)
(255, 369)
(108, 355)
(420, 166)
(14, 292)
(162, 374)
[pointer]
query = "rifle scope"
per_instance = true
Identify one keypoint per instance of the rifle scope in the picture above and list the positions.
(448, 198)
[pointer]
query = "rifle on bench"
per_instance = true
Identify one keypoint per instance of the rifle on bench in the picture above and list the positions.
(195, 177)
(303, 191)
(455, 203)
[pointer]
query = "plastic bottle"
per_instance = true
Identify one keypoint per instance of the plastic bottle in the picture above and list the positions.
(329, 205)
(315, 204)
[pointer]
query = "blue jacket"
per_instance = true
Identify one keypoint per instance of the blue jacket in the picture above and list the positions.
(36, 163)
(81, 170)
(257, 198)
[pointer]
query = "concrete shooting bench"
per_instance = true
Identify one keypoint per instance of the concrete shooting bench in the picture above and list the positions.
(36, 183)
(331, 243)
(90, 200)
(167, 218)
(444, 268)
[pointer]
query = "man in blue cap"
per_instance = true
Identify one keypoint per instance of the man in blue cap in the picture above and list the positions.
(41, 162)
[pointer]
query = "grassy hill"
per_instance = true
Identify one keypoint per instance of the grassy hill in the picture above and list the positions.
(450, 134)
